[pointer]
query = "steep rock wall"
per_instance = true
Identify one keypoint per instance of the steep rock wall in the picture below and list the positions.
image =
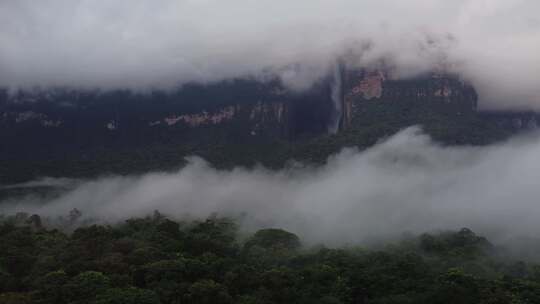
(441, 92)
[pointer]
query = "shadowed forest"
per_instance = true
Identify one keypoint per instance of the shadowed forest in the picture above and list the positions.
(158, 260)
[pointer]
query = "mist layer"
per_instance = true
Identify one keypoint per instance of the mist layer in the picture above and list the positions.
(143, 44)
(404, 184)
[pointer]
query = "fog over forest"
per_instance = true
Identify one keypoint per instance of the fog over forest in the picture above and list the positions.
(269, 151)
(406, 183)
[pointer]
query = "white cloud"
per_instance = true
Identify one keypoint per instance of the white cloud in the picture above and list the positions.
(144, 43)
(406, 183)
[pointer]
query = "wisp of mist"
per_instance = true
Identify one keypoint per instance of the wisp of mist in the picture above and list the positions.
(406, 183)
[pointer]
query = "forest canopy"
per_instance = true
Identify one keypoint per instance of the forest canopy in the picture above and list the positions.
(158, 260)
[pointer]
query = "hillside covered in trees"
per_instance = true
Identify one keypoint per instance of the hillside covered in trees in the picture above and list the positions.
(158, 260)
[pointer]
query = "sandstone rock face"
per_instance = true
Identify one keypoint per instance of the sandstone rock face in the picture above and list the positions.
(241, 108)
(30, 117)
(243, 112)
(249, 108)
(203, 118)
(258, 117)
(245, 116)
(362, 87)
(370, 86)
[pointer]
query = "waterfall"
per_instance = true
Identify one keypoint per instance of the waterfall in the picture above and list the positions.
(337, 96)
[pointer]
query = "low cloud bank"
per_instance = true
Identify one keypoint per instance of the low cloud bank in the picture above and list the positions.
(145, 44)
(404, 184)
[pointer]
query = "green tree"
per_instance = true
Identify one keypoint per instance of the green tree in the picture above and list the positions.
(208, 292)
(15, 298)
(84, 287)
(127, 296)
(214, 235)
(50, 287)
(275, 239)
(271, 247)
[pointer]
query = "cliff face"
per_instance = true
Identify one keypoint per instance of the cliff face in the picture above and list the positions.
(238, 122)
(240, 111)
(243, 109)
(44, 125)
(270, 117)
(443, 93)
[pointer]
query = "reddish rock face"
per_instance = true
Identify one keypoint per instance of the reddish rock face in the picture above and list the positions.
(370, 86)
(443, 92)
(31, 116)
(204, 118)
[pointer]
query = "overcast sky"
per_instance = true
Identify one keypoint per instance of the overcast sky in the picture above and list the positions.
(146, 43)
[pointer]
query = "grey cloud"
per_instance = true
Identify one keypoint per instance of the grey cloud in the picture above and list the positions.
(143, 43)
(406, 183)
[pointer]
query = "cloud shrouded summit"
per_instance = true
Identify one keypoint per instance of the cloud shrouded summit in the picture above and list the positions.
(142, 43)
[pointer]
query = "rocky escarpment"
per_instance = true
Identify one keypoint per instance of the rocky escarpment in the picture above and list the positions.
(259, 117)
(54, 132)
(446, 93)
(243, 108)
(239, 111)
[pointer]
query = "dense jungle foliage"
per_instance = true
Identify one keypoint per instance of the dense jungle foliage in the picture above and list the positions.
(158, 260)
